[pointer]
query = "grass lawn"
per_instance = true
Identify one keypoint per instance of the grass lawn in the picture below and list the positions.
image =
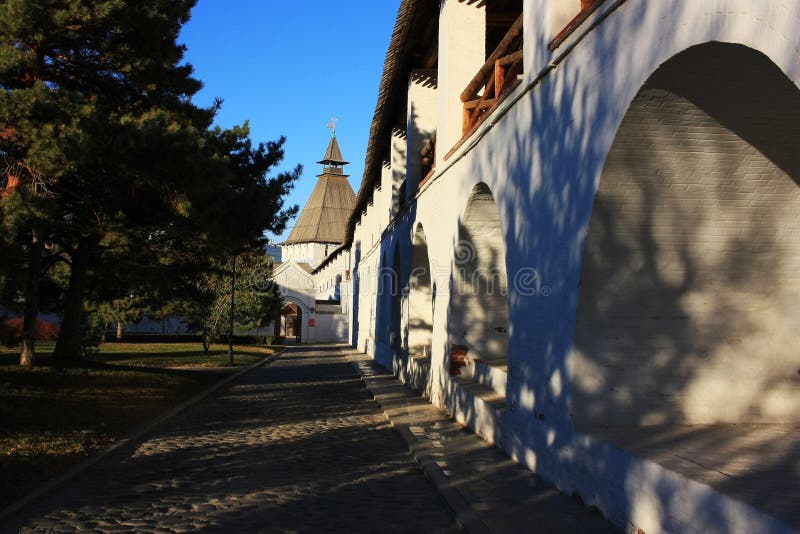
(51, 419)
(176, 355)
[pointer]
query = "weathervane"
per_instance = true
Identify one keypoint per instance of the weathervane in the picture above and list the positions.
(332, 125)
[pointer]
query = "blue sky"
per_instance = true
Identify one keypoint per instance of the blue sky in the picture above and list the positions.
(288, 68)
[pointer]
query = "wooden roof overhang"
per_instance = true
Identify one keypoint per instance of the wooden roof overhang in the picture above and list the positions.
(414, 44)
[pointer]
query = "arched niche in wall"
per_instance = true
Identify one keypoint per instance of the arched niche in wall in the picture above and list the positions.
(479, 293)
(689, 299)
(420, 321)
(395, 302)
(383, 299)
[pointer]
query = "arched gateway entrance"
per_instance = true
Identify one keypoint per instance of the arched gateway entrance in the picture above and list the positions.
(291, 323)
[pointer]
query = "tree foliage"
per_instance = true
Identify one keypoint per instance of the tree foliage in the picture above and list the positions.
(207, 306)
(106, 158)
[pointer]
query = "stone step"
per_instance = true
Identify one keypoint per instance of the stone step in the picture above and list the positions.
(494, 377)
(415, 373)
(477, 406)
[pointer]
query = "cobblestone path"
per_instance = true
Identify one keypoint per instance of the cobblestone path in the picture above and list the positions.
(296, 446)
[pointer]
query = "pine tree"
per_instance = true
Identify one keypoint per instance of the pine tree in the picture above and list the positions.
(96, 121)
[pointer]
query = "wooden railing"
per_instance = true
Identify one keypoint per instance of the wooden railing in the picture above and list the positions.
(428, 154)
(495, 78)
(587, 8)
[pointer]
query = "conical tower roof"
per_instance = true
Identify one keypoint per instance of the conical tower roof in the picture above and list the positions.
(324, 217)
(333, 156)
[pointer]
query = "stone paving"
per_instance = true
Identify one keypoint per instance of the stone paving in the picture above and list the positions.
(489, 491)
(296, 446)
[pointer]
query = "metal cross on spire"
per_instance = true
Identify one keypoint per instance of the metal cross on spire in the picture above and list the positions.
(332, 126)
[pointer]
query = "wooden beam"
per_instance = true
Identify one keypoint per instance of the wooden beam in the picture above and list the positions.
(429, 146)
(587, 8)
(510, 42)
(503, 66)
(479, 103)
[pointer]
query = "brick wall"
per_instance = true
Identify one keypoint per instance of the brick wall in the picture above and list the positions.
(689, 307)
(479, 296)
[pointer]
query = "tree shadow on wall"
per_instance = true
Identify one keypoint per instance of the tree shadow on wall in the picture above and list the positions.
(685, 256)
(687, 295)
(479, 296)
(669, 320)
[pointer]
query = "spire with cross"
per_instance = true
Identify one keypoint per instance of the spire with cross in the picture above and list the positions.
(332, 126)
(333, 160)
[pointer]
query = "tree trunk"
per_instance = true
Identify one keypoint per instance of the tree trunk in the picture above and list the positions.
(70, 336)
(206, 340)
(27, 355)
(120, 327)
